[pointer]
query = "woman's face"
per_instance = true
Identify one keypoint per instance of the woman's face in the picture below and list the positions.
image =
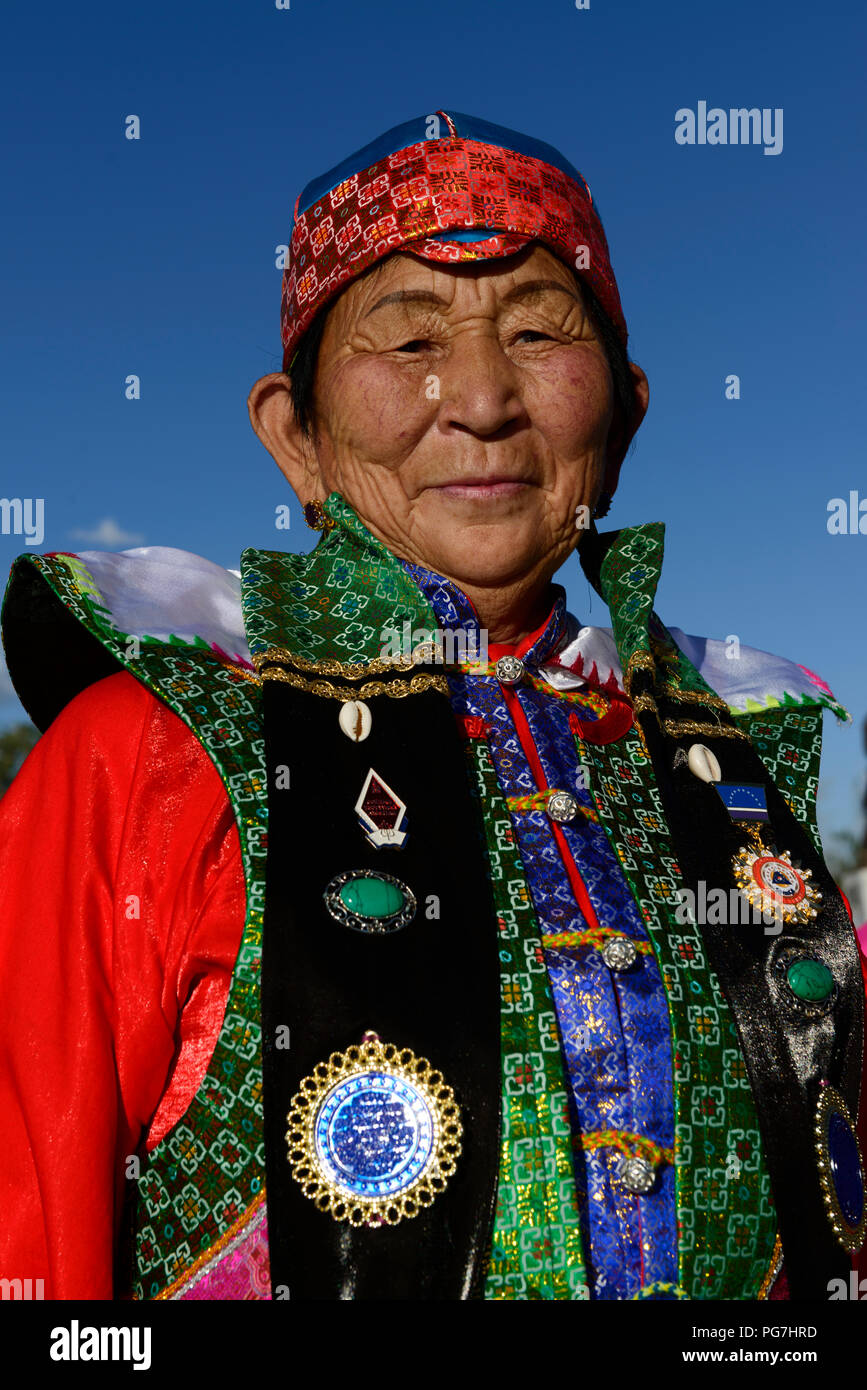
(464, 413)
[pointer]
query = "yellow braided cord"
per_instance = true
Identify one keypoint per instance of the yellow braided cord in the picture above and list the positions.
(591, 936)
(630, 1145)
(538, 801)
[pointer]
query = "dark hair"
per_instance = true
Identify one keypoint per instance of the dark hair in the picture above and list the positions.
(302, 371)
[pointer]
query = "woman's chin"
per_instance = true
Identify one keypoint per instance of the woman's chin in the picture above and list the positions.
(497, 557)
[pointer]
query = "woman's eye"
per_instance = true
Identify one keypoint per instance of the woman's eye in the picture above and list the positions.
(532, 333)
(413, 345)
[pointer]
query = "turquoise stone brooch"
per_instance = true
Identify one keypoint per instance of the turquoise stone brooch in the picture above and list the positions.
(374, 1134)
(369, 901)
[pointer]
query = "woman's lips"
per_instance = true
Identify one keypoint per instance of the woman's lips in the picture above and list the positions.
(482, 489)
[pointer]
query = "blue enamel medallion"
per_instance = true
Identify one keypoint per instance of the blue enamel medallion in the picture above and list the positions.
(374, 1134)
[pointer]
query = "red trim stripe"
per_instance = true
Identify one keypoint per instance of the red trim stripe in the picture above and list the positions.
(525, 738)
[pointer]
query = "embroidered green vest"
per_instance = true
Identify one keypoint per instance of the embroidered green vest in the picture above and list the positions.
(203, 1185)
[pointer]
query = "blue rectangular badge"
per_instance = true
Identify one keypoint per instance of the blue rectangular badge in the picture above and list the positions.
(744, 800)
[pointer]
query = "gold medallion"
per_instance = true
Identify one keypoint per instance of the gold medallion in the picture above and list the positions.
(374, 1134)
(772, 883)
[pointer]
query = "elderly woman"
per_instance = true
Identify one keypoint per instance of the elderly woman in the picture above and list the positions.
(386, 973)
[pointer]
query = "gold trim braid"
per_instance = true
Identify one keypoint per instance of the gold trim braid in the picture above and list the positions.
(774, 1268)
(330, 666)
(676, 727)
(416, 685)
(700, 697)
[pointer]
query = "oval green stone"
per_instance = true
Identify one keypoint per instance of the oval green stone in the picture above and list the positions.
(371, 897)
(810, 980)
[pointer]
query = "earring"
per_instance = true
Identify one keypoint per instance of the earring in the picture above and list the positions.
(316, 517)
(603, 504)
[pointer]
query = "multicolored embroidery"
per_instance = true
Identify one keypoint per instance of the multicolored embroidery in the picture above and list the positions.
(201, 1214)
(726, 1218)
(614, 1034)
(536, 1250)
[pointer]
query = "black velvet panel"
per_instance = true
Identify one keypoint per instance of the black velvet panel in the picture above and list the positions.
(432, 986)
(51, 656)
(789, 1049)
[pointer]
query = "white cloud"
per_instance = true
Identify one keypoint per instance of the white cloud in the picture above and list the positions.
(109, 534)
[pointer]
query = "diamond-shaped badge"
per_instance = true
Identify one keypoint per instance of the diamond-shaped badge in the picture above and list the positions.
(381, 813)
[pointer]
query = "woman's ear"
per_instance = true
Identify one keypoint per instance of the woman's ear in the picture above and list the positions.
(620, 437)
(272, 415)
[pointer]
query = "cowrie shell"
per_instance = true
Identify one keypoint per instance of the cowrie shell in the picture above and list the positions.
(703, 763)
(355, 720)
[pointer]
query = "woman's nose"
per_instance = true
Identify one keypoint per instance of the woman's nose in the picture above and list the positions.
(478, 386)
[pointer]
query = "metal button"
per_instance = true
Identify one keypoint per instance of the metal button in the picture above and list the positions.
(619, 953)
(509, 670)
(562, 806)
(636, 1174)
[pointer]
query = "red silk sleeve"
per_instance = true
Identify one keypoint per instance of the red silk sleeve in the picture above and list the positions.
(121, 911)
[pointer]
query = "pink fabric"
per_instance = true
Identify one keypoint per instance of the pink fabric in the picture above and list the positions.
(241, 1269)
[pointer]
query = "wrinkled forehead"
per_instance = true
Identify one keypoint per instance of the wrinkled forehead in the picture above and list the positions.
(452, 190)
(405, 279)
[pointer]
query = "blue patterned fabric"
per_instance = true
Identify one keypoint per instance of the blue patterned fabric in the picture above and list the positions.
(614, 1026)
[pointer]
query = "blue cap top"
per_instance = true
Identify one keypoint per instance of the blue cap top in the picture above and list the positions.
(414, 131)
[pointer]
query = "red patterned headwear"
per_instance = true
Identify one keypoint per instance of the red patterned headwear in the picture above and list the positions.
(431, 186)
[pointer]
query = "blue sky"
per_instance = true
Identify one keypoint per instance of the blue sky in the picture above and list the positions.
(157, 257)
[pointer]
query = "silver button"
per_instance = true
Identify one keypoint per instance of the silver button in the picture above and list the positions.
(636, 1174)
(619, 953)
(509, 670)
(562, 806)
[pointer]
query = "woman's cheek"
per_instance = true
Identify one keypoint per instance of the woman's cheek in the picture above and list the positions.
(387, 406)
(572, 404)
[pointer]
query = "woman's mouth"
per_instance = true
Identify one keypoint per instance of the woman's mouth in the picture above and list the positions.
(481, 488)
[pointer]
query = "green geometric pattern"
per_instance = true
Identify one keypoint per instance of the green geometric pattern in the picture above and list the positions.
(628, 579)
(789, 743)
(536, 1245)
(726, 1219)
(337, 601)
